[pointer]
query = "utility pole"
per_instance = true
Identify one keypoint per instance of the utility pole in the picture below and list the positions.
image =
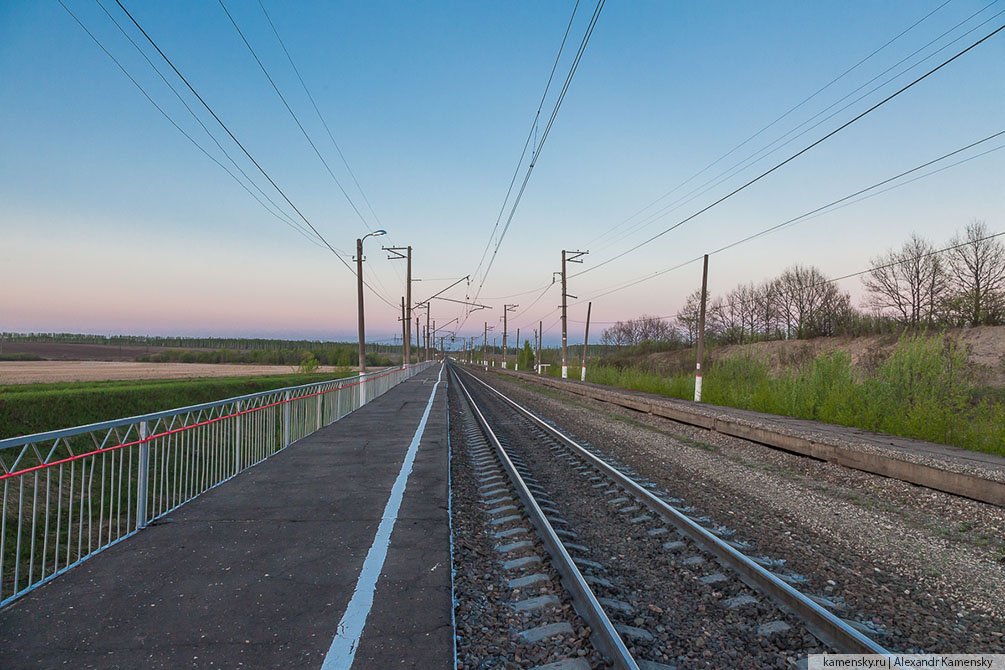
(432, 342)
(359, 297)
(408, 296)
(517, 364)
(485, 342)
(537, 353)
(506, 310)
(701, 330)
(417, 331)
(404, 335)
(429, 308)
(586, 341)
(540, 344)
(567, 257)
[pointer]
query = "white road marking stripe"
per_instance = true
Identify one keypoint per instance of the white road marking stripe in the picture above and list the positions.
(350, 628)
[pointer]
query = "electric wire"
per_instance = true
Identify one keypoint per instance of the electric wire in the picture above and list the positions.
(245, 151)
(792, 109)
(331, 135)
(544, 137)
(530, 134)
(321, 117)
(826, 209)
(294, 115)
(795, 155)
(306, 135)
(181, 130)
(760, 154)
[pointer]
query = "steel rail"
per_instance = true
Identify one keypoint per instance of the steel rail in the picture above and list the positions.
(825, 625)
(605, 636)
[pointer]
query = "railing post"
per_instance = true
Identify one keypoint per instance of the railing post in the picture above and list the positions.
(286, 419)
(142, 478)
(362, 389)
(320, 396)
(237, 440)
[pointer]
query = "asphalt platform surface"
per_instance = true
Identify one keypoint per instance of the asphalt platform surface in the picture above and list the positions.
(258, 572)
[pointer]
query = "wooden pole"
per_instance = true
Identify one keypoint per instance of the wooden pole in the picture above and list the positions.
(701, 331)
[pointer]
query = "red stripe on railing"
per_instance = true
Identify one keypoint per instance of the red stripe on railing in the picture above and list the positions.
(178, 430)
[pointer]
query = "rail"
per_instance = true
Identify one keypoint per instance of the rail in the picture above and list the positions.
(68, 494)
(824, 624)
(605, 636)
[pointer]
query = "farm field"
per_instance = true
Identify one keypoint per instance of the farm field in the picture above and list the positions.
(50, 372)
(36, 407)
(65, 351)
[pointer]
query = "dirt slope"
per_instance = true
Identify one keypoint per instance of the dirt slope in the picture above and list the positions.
(985, 352)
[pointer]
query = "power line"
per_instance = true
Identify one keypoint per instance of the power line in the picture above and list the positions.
(331, 137)
(791, 221)
(544, 137)
(935, 252)
(760, 154)
(181, 130)
(320, 115)
(831, 206)
(294, 115)
(795, 155)
(819, 211)
(246, 153)
(306, 135)
(792, 109)
(530, 134)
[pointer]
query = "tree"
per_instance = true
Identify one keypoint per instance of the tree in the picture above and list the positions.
(308, 364)
(687, 317)
(977, 276)
(525, 358)
(809, 304)
(908, 284)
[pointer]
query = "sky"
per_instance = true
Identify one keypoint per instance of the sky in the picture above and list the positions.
(111, 221)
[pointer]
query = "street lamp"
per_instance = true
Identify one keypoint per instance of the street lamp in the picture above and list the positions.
(359, 293)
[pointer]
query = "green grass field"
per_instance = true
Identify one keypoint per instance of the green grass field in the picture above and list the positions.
(922, 391)
(33, 408)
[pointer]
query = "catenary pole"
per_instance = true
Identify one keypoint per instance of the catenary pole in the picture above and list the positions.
(701, 330)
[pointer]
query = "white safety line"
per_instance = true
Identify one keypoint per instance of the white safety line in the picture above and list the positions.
(350, 628)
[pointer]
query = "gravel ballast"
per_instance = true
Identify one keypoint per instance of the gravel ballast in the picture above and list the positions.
(925, 567)
(501, 610)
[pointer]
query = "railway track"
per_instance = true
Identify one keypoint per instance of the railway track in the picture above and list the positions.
(657, 585)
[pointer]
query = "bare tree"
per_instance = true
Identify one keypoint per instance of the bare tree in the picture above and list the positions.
(809, 303)
(645, 328)
(687, 317)
(908, 284)
(977, 276)
(766, 299)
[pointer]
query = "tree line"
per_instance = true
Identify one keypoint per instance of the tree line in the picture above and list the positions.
(917, 285)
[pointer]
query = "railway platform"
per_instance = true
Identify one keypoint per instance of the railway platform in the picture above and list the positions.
(334, 553)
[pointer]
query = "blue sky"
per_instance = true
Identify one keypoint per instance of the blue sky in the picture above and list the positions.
(111, 221)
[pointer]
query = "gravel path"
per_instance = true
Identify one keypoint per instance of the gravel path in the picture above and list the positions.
(928, 568)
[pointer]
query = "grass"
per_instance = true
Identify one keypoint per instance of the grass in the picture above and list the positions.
(34, 408)
(20, 357)
(921, 391)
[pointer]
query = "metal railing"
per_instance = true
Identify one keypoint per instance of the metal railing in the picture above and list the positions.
(68, 494)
